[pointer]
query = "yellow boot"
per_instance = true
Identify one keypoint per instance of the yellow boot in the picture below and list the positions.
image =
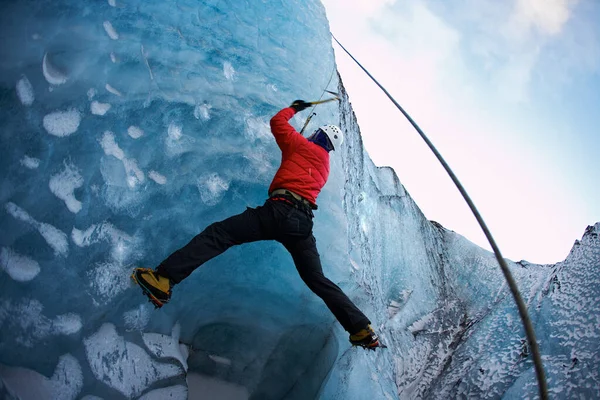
(156, 287)
(365, 338)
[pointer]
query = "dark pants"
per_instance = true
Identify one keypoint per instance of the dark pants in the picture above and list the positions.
(275, 220)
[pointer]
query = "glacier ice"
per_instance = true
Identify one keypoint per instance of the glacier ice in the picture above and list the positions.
(127, 127)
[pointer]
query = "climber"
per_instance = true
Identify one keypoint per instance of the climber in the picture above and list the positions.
(286, 217)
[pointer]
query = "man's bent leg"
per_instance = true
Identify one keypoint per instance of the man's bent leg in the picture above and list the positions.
(249, 226)
(308, 263)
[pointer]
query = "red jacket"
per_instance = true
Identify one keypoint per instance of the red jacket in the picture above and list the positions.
(304, 165)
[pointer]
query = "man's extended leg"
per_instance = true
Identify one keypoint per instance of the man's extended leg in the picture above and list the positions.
(308, 263)
(252, 225)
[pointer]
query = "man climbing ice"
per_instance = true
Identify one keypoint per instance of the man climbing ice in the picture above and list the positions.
(285, 217)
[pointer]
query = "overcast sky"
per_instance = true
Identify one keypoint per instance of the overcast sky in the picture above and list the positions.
(509, 93)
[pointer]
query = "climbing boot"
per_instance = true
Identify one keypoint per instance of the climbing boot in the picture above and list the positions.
(366, 338)
(156, 287)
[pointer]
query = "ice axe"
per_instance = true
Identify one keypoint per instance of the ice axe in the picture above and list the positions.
(314, 103)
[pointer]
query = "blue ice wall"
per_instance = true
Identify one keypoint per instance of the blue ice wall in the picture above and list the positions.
(126, 127)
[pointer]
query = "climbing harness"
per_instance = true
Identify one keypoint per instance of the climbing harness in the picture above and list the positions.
(529, 331)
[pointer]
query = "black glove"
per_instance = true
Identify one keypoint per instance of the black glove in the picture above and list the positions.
(300, 105)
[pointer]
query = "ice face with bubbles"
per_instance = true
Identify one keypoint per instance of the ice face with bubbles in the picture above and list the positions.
(127, 127)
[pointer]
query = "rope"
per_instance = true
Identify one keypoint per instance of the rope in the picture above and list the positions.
(530, 333)
(315, 103)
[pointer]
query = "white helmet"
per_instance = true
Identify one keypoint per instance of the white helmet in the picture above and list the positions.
(335, 135)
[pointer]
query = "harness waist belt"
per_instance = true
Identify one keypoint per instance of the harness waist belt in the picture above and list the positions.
(297, 197)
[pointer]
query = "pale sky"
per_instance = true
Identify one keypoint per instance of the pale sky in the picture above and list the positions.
(509, 93)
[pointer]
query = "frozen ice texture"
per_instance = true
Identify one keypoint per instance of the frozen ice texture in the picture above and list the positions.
(27, 384)
(122, 365)
(63, 185)
(186, 142)
(18, 267)
(25, 91)
(62, 123)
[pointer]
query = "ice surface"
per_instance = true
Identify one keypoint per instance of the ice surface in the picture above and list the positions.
(30, 162)
(53, 236)
(110, 31)
(62, 123)
(25, 91)
(18, 267)
(98, 108)
(122, 365)
(179, 392)
(63, 185)
(25, 319)
(26, 384)
(186, 142)
(51, 73)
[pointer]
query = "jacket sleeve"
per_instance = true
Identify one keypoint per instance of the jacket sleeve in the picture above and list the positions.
(285, 134)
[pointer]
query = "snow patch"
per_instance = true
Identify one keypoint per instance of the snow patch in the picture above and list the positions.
(62, 123)
(174, 131)
(113, 90)
(30, 162)
(107, 280)
(110, 31)
(63, 186)
(25, 91)
(28, 325)
(98, 108)
(202, 111)
(51, 73)
(178, 392)
(26, 384)
(135, 132)
(18, 267)
(111, 148)
(163, 346)
(137, 319)
(156, 177)
(122, 244)
(228, 71)
(113, 57)
(212, 188)
(122, 365)
(112, 3)
(91, 93)
(55, 238)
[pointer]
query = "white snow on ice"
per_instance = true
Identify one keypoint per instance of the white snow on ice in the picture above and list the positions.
(113, 90)
(135, 132)
(158, 178)
(137, 319)
(28, 325)
(178, 392)
(228, 71)
(110, 31)
(122, 365)
(111, 148)
(18, 267)
(174, 131)
(26, 384)
(25, 91)
(55, 238)
(62, 123)
(122, 244)
(202, 111)
(51, 73)
(91, 93)
(212, 188)
(98, 108)
(30, 162)
(163, 346)
(107, 280)
(112, 3)
(63, 185)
